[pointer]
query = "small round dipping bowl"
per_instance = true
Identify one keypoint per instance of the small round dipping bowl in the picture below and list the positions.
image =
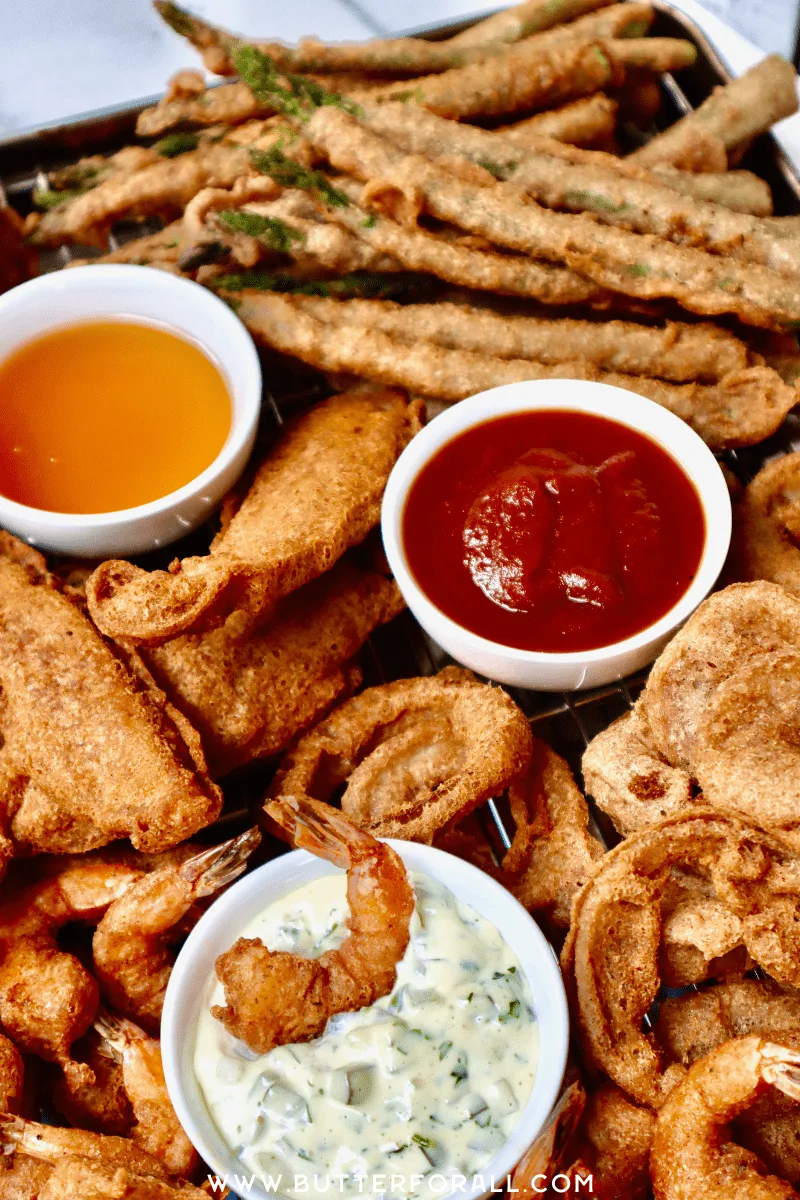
(117, 292)
(581, 669)
(193, 978)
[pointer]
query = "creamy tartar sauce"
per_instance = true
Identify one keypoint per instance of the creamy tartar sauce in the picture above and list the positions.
(427, 1082)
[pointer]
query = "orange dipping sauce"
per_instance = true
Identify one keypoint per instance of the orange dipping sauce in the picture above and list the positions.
(107, 415)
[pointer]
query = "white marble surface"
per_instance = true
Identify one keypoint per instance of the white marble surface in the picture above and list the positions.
(59, 58)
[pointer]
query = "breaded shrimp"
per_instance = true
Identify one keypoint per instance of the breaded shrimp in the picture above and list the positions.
(49, 1143)
(691, 1157)
(545, 1156)
(47, 998)
(102, 1106)
(11, 1076)
(275, 997)
(131, 945)
(157, 1128)
(88, 1166)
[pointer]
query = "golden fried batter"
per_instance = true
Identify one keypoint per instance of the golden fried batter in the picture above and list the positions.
(101, 1106)
(416, 754)
(552, 853)
(249, 697)
(92, 750)
(317, 494)
(11, 1076)
(767, 525)
(629, 780)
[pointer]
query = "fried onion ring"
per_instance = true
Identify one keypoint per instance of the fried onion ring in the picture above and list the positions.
(610, 958)
(767, 525)
(416, 754)
(552, 853)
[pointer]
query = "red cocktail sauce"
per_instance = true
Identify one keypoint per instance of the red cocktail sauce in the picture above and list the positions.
(553, 530)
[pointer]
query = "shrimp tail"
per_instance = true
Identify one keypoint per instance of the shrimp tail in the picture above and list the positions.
(114, 1033)
(215, 868)
(12, 1130)
(781, 1069)
(311, 825)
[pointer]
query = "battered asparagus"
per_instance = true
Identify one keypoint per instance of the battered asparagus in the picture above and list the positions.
(587, 122)
(678, 352)
(635, 264)
(732, 114)
(384, 56)
(744, 408)
(587, 181)
(514, 24)
(531, 76)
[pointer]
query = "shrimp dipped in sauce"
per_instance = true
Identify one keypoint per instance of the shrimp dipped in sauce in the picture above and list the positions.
(274, 997)
(691, 1156)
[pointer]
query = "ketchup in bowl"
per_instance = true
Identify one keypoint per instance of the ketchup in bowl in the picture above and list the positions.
(553, 531)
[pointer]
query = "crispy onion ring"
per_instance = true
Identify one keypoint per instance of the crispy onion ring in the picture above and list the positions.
(767, 525)
(610, 958)
(416, 754)
(552, 853)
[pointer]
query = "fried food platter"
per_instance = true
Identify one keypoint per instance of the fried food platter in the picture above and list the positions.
(501, 831)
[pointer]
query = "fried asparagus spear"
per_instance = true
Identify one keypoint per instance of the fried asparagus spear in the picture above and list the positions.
(676, 351)
(382, 56)
(530, 76)
(523, 20)
(742, 409)
(590, 121)
(732, 114)
(634, 264)
(162, 187)
(566, 178)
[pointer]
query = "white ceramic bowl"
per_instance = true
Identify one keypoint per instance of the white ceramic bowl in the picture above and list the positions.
(141, 294)
(584, 668)
(216, 931)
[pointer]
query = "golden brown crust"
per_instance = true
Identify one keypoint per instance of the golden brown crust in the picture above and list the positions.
(416, 754)
(316, 495)
(767, 525)
(92, 751)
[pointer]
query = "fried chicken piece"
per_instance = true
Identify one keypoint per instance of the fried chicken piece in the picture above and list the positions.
(249, 697)
(416, 754)
(92, 749)
(317, 494)
(629, 780)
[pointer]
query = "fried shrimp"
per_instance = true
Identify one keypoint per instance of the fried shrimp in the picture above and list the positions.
(131, 951)
(157, 1129)
(85, 1166)
(691, 1156)
(274, 997)
(47, 998)
(11, 1076)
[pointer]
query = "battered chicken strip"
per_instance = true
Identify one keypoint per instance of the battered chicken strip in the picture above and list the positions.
(742, 409)
(590, 121)
(678, 352)
(635, 264)
(248, 698)
(317, 494)
(387, 56)
(92, 749)
(732, 114)
(569, 179)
